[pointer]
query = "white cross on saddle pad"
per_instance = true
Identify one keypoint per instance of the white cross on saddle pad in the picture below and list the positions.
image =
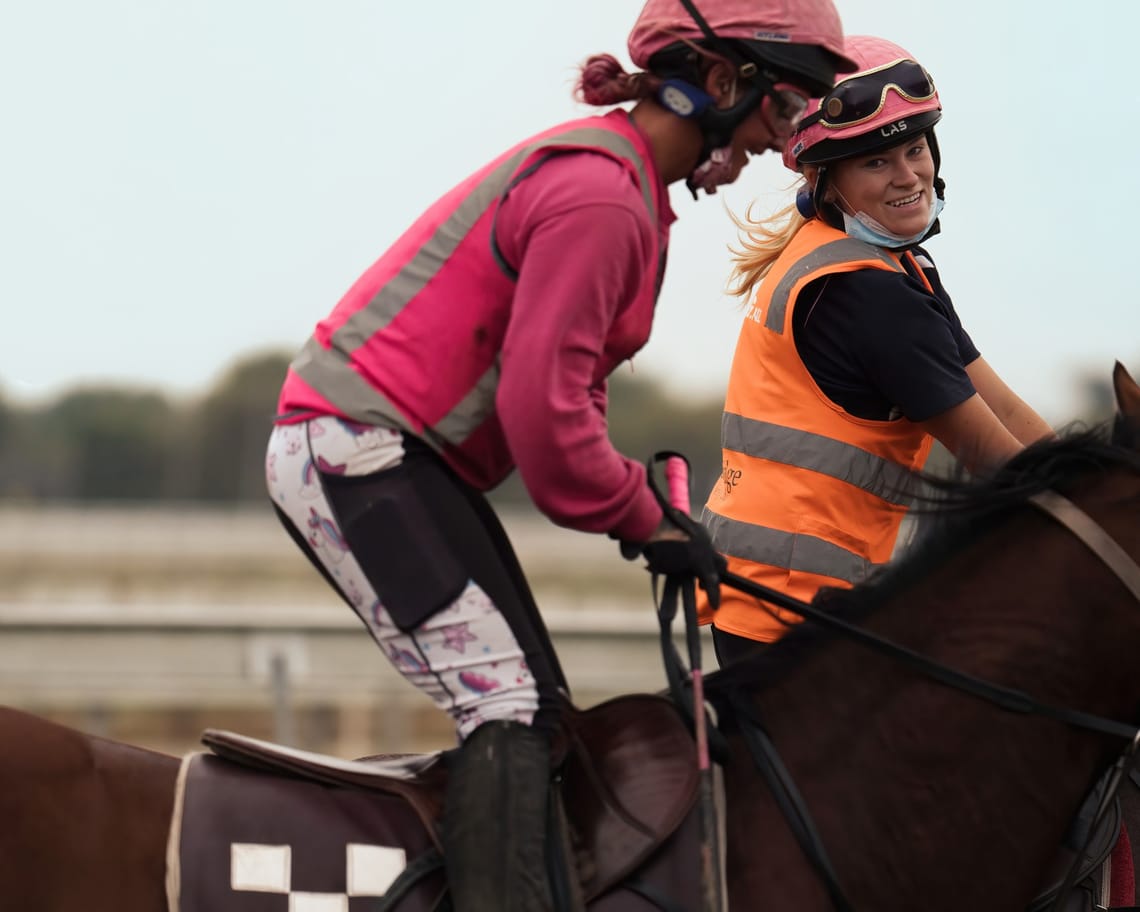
(243, 840)
(369, 872)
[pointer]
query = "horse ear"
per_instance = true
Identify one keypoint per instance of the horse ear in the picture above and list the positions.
(1127, 393)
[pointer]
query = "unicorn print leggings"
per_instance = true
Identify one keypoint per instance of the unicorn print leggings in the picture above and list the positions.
(422, 559)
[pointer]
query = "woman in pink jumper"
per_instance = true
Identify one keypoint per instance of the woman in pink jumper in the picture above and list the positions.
(480, 342)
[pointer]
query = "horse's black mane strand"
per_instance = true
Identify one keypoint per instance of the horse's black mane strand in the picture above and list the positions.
(955, 512)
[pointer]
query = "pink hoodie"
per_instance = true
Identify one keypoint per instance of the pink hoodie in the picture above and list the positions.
(490, 327)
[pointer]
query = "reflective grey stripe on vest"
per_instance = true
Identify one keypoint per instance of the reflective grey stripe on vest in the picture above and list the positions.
(328, 370)
(803, 449)
(790, 550)
(628, 153)
(844, 250)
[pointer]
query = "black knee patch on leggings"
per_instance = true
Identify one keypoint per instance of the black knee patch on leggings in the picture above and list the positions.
(419, 534)
(397, 536)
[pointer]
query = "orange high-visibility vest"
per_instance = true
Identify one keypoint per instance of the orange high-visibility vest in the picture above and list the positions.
(809, 496)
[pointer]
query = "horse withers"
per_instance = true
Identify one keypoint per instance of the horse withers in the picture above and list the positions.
(923, 795)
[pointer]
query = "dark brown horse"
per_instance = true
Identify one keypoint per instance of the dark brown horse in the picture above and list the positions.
(924, 797)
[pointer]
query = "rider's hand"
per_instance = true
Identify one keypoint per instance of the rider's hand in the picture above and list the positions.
(689, 551)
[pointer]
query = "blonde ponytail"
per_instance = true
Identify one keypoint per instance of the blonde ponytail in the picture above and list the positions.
(761, 242)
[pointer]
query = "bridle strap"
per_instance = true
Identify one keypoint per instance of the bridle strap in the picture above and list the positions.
(1077, 521)
(1090, 533)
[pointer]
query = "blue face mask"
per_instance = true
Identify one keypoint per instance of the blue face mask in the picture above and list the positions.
(864, 228)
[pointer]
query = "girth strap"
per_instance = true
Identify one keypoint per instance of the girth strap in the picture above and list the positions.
(790, 801)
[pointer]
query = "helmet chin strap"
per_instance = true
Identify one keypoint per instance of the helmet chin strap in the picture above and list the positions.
(718, 125)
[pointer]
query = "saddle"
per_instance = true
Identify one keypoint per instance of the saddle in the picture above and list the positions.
(628, 775)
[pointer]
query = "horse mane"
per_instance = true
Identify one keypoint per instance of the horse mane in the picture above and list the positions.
(951, 514)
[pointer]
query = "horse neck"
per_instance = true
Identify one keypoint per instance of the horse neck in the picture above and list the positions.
(918, 788)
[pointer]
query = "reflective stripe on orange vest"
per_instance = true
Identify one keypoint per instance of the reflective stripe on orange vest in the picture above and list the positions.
(848, 463)
(845, 250)
(804, 554)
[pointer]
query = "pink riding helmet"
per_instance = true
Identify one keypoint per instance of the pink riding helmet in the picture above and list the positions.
(772, 27)
(916, 106)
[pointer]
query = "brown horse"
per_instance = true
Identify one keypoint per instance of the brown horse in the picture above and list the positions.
(923, 796)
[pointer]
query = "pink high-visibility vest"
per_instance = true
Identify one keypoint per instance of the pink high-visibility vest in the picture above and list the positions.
(414, 344)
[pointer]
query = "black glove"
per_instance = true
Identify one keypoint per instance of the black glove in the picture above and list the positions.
(693, 555)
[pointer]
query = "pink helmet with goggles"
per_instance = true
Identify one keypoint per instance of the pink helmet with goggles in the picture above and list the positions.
(799, 37)
(889, 98)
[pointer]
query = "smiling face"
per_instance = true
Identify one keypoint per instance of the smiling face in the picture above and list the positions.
(893, 186)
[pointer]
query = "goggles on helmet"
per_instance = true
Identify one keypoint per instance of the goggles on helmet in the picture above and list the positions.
(861, 97)
(791, 103)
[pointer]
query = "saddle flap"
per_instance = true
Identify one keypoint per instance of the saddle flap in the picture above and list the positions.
(241, 839)
(629, 779)
(417, 778)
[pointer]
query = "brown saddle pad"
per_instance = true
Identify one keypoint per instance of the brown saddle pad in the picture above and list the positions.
(629, 778)
(244, 839)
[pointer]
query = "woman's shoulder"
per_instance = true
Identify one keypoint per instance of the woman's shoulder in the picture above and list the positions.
(873, 284)
(577, 199)
(585, 175)
(576, 181)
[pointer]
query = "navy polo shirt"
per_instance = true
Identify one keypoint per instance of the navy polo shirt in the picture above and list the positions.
(881, 346)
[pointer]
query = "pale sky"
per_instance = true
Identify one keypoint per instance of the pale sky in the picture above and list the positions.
(188, 183)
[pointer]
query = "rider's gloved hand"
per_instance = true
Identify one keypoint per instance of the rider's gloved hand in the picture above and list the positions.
(681, 546)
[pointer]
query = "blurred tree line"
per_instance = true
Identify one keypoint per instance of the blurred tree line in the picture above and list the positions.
(112, 443)
(125, 444)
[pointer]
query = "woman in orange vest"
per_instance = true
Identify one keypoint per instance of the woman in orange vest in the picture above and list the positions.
(851, 359)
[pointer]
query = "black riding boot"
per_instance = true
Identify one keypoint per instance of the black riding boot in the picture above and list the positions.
(495, 820)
